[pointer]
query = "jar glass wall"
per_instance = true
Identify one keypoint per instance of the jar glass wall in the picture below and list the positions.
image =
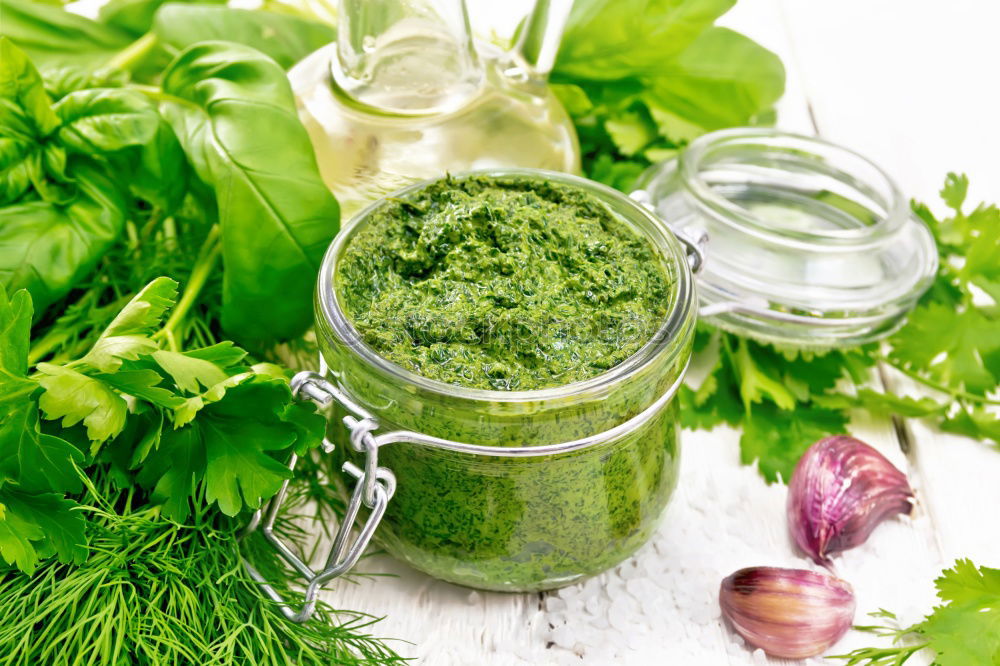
(524, 522)
(806, 243)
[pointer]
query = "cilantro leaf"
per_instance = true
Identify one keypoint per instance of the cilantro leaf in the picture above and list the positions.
(884, 403)
(197, 368)
(75, 397)
(776, 438)
(35, 461)
(974, 422)
(956, 187)
(949, 346)
(127, 336)
(34, 527)
(963, 631)
(758, 380)
(716, 401)
(231, 448)
(140, 382)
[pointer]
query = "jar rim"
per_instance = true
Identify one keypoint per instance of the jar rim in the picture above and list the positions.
(682, 301)
(897, 209)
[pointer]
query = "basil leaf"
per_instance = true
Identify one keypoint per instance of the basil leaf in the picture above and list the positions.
(106, 119)
(47, 248)
(22, 86)
(51, 35)
(159, 171)
(720, 80)
(60, 80)
(26, 118)
(132, 16)
(236, 119)
(606, 41)
(285, 38)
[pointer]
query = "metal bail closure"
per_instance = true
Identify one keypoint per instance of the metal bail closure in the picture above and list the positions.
(374, 488)
(795, 240)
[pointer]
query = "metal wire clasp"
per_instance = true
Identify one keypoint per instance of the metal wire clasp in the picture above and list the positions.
(693, 247)
(374, 488)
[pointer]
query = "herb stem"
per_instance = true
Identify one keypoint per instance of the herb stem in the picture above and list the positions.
(43, 347)
(133, 54)
(203, 267)
(937, 386)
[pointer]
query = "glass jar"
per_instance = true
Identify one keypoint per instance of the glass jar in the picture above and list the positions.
(562, 483)
(794, 240)
(805, 243)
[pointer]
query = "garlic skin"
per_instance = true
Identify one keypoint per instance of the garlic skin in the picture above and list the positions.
(840, 491)
(789, 613)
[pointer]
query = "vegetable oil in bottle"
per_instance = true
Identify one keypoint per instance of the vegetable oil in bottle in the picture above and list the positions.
(404, 95)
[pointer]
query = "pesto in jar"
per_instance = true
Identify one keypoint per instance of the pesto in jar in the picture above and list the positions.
(513, 283)
(502, 284)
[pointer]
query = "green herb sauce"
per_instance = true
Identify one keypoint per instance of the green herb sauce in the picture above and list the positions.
(503, 523)
(501, 283)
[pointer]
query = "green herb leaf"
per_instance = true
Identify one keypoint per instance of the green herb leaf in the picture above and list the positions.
(60, 80)
(967, 629)
(103, 120)
(197, 368)
(230, 446)
(133, 16)
(21, 86)
(75, 397)
(777, 438)
(26, 118)
(613, 40)
(283, 37)
(53, 36)
(722, 79)
(964, 630)
(974, 422)
(36, 462)
(238, 107)
(949, 346)
(883, 403)
(48, 248)
(129, 334)
(758, 381)
(34, 527)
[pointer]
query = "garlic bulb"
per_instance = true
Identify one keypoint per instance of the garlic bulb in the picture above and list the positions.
(790, 613)
(840, 490)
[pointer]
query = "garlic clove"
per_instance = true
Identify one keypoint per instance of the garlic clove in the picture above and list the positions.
(840, 491)
(789, 613)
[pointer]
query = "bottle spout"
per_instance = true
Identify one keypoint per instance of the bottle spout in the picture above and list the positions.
(406, 56)
(538, 40)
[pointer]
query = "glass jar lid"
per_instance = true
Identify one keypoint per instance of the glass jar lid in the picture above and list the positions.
(801, 241)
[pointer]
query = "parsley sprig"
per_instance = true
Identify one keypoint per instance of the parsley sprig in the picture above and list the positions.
(173, 423)
(964, 630)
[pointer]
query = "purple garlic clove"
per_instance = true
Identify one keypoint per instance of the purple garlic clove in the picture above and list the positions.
(789, 613)
(840, 490)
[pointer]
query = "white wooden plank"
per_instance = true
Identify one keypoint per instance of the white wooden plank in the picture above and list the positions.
(909, 83)
(902, 81)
